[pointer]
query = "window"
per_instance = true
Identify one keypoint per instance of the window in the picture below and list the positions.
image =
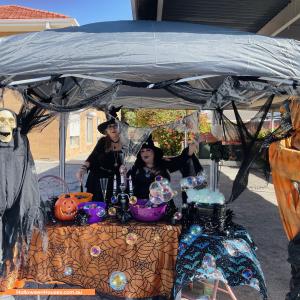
(74, 130)
(89, 130)
(74, 141)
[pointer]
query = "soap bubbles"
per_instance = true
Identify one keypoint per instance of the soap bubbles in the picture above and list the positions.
(156, 189)
(178, 216)
(117, 281)
(156, 200)
(95, 251)
(247, 274)
(131, 238)
(190, 182)
(68, 271)
(201, 179)
(160, 191)
(112, 211)
(209, 263)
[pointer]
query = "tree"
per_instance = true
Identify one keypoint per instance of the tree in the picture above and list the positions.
(169, 140)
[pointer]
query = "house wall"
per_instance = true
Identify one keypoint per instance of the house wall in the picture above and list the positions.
(84, 147)
(45, 144)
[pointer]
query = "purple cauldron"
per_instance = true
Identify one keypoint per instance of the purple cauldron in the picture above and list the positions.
(95, 210)
(140, 212)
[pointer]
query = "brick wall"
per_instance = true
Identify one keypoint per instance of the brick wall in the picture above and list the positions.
(45, 144)
(84, 148)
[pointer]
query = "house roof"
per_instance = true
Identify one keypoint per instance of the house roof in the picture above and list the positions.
(13, 12)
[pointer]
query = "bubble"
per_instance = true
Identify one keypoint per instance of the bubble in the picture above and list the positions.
(114, 199)
(112, 211)
(158, 178)
(247, 274)
(133, 200)
(131, 238)
(165, 181)
(95, 251)
(167, 196)
(201, 179)
(156, 238)
(177, 216)
(209, 262)
(156, 200)
(101, 212)
(68, 271)
(195, 230)
(155, 189)
(117, 281)
(188, 183)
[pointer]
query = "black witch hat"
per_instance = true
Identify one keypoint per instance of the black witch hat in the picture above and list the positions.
(149, 144)
(111, 119)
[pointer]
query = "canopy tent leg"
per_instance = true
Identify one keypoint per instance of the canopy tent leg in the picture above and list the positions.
(214, 178)
(272, 120)
(62, 146)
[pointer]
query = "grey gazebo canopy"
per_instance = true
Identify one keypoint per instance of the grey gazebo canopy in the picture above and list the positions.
(148, 64)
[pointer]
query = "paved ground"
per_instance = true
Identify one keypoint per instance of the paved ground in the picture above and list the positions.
(256, 210)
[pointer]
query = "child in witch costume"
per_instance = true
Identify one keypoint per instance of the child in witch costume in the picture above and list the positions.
(104, 161)
(151, 163)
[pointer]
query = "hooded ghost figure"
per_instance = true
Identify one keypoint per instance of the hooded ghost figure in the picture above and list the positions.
(19, 192)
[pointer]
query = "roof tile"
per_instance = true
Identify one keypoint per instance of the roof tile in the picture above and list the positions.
(20, 12)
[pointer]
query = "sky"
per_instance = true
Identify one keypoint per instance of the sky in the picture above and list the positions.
(84, 11)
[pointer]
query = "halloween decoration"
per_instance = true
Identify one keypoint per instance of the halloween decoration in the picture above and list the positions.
(7, 124)
(19, 193)
(96, 211)
(81, 218)
(78, 197)
(141, 212)
(65, 208)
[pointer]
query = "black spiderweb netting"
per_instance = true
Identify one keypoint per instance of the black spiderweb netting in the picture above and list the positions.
(254, 147)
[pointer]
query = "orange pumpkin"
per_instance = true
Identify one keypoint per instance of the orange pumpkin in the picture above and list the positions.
(65, 208)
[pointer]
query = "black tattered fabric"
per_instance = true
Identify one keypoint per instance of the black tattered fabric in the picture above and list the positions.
(230, 258)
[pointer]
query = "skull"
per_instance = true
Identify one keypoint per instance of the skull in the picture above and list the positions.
(7, 124)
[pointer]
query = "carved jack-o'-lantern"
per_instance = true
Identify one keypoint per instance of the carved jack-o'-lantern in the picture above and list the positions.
(65, 208)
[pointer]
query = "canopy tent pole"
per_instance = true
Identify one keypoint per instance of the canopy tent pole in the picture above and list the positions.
(272, 120)
(62, 145)
(213, 182)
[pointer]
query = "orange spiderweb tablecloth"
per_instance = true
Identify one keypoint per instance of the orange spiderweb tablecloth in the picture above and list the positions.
(89, 255)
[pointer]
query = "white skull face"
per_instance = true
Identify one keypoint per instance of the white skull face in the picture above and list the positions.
(7, 125)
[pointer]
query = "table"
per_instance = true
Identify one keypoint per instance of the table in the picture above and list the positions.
(93, 256)
(229, 257)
